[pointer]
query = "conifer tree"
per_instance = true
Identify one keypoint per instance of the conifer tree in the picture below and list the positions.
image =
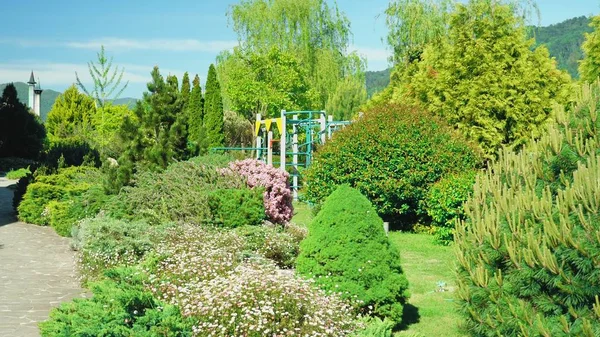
(21, 132)
(589, 68)
(71, 117)
(195, 112)
(213, 110)
(185, 89)
(486, 80)
(155, 138)
(529, 251)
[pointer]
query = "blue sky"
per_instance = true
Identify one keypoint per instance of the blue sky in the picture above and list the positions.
(57, 38)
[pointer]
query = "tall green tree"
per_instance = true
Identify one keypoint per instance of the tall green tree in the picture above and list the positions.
(486, 80)
(106, 80)
(316, 32)
(348, 97)
(195, 112)
(21, 132)
(266, 83)
(185, 89)
(155, 136)
(589, 68)
(213, 110)
(71, 116)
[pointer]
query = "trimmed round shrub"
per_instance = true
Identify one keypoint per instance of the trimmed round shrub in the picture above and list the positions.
(529, 251)
(444, 203)
(277, 192)
(232, 208)
(391, 155)
(347, 251)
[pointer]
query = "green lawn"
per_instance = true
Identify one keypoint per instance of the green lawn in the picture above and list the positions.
(425, 264)
(430, 312)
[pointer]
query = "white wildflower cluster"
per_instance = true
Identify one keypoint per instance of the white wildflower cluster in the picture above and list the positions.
(202, 272)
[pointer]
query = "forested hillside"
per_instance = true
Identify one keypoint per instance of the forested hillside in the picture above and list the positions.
(564, 42)
(377, 80)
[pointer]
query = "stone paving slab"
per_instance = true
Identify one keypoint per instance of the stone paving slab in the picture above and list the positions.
(37, 271)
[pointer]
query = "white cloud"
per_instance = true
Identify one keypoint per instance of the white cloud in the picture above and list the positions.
(154, 44)
(372, 54)
(63, 74)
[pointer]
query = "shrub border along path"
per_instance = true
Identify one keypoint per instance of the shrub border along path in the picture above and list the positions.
(37, 271)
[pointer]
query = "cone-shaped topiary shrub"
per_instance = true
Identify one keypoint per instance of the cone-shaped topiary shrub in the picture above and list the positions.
(347, 251)
(529, 251)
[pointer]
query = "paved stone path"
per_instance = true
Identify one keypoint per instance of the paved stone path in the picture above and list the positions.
(37, 271)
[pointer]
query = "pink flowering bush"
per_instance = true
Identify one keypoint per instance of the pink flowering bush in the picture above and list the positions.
(277, 195)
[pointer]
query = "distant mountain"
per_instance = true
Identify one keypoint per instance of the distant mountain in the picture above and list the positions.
(563, 41)
(49, 96)
(377, 81)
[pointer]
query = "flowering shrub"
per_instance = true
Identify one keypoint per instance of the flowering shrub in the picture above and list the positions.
(202, 271)
(254, 300)
(277, 195)
(104, 243)
(281, 245)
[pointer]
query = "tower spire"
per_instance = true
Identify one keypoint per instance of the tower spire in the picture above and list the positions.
(31, 78)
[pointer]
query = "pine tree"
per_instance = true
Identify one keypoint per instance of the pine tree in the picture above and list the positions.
(195, 112)
(155, 139)
(213, 110)
(589, 68)
(529, 251)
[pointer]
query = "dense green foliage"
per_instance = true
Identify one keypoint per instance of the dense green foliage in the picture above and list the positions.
(278, 34)
(265, 83)
(589, 68)
(282, 245)
(528, 251)
(486, 81)
(347, 98)
(347, 251)
(71, 116)
(63, 198)
(392, 155)
(213, 110)
(232, 208)
(158, 134)
(120, 307)
(21, 133)
(18, 173)
(563, 41)
(444, 203)
(70, 152)
(180, 193)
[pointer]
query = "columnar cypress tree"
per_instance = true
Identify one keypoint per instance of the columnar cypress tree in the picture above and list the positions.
(195, 112)
(185, 89)
(213, 110)
(529, 252)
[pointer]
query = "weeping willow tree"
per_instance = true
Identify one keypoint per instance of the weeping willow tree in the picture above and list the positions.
(311, 33)
(529, 251)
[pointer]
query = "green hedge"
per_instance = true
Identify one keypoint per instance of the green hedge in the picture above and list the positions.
(392, 155)
(232, 208)
(444, 203)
